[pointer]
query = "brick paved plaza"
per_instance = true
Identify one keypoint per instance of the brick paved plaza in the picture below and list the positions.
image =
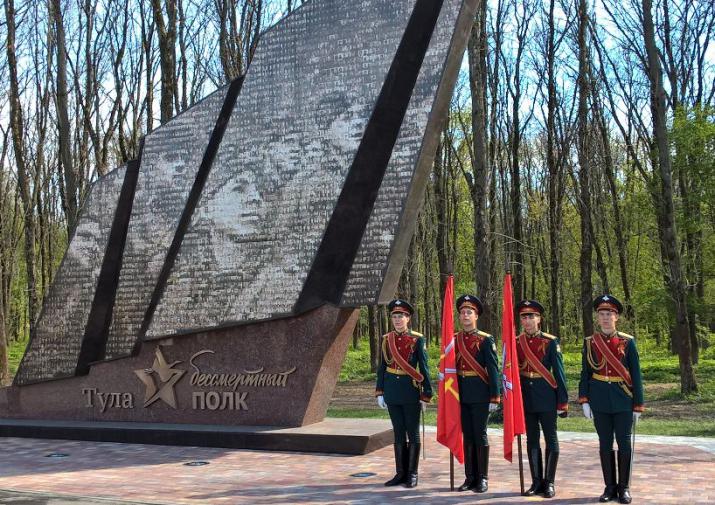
(667, 470)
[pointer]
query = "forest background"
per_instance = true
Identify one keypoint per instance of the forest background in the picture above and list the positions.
(579, 154)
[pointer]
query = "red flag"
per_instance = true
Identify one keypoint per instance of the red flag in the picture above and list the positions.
(513, 405)
(449, 421)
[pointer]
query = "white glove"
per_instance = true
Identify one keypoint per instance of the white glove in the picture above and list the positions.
(636, 416)
(423, 406)
(587, 413)
(440, 376)
(381, 402)
(493, 407)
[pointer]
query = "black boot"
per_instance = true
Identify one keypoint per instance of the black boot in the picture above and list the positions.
(552, 460)
(624, 476)
(608, 465)
(400, 467)
(414, 458)
(469, 469)
(537, 471)
(482, 469)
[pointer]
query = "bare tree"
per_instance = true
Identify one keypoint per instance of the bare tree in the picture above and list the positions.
(662, 174)
(71, 190)
(481, 177)
(166, 31)
(23, 176)
(584, 200)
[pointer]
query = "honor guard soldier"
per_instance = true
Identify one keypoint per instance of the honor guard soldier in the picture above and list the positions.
(543, 388)
(403, 387)
(611, 393)
(478, 379)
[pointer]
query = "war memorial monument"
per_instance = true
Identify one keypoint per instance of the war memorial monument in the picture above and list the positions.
(210, 290)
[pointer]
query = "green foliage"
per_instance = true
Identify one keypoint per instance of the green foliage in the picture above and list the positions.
(356, 366)
(16, 350)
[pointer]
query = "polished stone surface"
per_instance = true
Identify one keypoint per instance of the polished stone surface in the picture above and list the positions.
(280, 373)
(54, 348)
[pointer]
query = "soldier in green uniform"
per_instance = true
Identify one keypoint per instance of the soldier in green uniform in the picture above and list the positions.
(403, 387)
(478, 379)
(611, 393)
(543, 389)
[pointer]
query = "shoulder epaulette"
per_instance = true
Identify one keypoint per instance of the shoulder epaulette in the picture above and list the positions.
(483, 333)
(549, 335)
(589, 337)
(416, 334)
(625, 335)
(385, 335)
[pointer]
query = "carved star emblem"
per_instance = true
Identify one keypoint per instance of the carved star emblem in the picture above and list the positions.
(467, 298)
(605, 298)
(527, 303)
(398, 302)
(167, 379)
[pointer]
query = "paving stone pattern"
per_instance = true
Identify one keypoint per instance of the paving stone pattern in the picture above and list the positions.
(664, 473)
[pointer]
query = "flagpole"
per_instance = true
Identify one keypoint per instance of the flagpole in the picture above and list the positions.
(424, 446)
(451, 471)
(449, 429)
(521, 466)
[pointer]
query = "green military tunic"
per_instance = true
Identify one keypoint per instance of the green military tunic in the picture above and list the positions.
(537, 393)
(402, 393)
(601, 386)
(476, 393)
(541, 399)
(611, 399)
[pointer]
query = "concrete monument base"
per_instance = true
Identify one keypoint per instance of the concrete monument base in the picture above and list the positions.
(338, 436)
(273, 373)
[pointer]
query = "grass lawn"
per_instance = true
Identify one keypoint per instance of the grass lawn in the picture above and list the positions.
(667, 411)
(14, 355)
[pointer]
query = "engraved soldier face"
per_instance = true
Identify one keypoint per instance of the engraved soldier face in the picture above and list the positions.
(530, 322)
(607, 321)
(468, 318)
(400, 321)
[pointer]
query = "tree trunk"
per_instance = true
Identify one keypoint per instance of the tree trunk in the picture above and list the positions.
(166, 30)
(4, 368)
(617, 219)
(554, 181)
(23, 178)
(477, 51)
(374, 335)
(518, 265)
(584, 201)
(147, 30)
(664, 204)
(63, 123)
